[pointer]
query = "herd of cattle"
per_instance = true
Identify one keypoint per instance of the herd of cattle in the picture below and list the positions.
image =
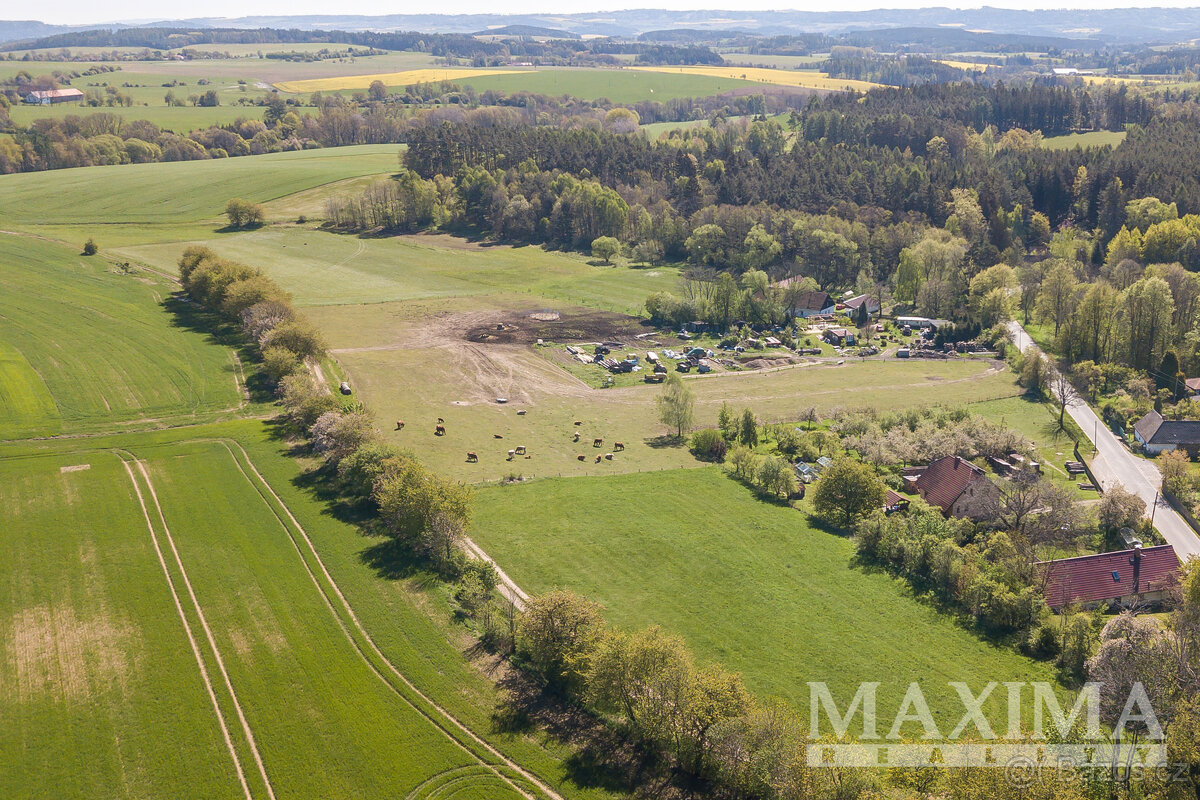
(439, 429)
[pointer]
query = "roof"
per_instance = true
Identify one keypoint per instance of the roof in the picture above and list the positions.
(855, 302)
(892, 499)
(1090, 579)
(1193, 385)
(946, 479)
(49, 93)
(1153, 429)
(811, 301)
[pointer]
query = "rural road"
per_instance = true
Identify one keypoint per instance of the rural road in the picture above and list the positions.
(1114, 464)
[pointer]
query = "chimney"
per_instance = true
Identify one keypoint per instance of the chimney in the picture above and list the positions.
(1137, 568)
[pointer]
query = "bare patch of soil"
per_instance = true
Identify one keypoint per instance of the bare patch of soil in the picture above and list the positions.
(506, 327)
(56, 653)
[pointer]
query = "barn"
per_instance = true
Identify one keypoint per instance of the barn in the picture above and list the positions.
(50, 97)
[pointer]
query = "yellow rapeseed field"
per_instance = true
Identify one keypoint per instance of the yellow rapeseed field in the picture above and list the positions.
(967, 65)
(780, 77)
(405, 78)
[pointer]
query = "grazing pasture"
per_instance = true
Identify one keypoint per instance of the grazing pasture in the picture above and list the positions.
(450, 348)
(621, 85)
(750, 584)
(82, 345)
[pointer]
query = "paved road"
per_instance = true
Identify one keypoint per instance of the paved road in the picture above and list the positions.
(1114, 464)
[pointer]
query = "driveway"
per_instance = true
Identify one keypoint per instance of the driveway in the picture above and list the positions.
(1114, 464)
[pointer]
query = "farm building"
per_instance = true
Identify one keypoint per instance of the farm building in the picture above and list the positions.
(49, 97)
(1157, 435)
(814, 304)
(957, 487)
(872, 303)
(1193, 388)
(1125, 576)
(838, 336)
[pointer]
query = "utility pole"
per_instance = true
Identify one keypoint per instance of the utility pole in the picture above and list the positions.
(1154, 509)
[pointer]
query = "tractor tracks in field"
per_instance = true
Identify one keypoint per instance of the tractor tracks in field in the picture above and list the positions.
(126, 459)
(435, 714)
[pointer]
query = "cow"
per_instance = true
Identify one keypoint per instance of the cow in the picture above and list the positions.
(440, 430)
(598, 457)
(576, 437)
(510, 455)
(581, 457)
(441, 421)
(399, 424)
(597, 442)
(577, 422)
(520, 449)
(618, 445)
(471, 457)
(497, 436)
(608, 456)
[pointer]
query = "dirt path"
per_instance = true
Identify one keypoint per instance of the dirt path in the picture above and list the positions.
(507, 586)
(190, 636)
(439, 716)
(318, 373)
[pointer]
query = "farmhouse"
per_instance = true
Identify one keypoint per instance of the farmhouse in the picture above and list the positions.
(872, 303)
(814, 304)
(51, 96)
(1157, 435)
(957, 487)
(1122, 577)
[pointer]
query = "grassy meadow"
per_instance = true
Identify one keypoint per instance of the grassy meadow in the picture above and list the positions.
(1084, 140)
(83, 345)
(808, 79)
(750, 584)
(181, 191)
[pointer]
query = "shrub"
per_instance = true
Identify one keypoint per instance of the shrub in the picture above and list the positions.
(708, 445)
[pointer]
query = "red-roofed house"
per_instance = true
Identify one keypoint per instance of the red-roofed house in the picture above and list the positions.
(958, 488)
(1124, 577)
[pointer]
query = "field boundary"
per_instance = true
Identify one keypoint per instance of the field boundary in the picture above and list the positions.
(434, 710)
(187, 628)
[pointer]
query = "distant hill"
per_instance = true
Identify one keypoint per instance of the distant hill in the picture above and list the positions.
(1116, 25)
(516, 31)
(13, 30)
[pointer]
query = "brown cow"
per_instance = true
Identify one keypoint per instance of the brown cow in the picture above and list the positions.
(581, 457)
(597, 442)
(598, 457)
(497, 436)
(441, 421)
(618, 445)
(440, 430)
(608, 456)
(399, 424)
(577, 422)
(471, 456)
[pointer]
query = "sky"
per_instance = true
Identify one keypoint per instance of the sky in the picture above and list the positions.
(76, 12)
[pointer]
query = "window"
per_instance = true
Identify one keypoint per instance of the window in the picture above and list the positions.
(1116, 576)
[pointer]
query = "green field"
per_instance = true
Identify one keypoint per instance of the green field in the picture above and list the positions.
(322, 268)
(618, 85)
(277, 644)
(181, 120)
(82, 345)
(181, 191)
(752, 585)
(1084, 140)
